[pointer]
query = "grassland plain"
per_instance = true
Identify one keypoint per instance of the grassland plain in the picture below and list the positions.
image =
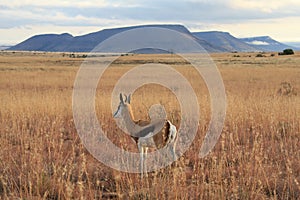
(257, 156)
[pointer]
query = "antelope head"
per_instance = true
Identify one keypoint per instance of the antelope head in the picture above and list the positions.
(124, 105)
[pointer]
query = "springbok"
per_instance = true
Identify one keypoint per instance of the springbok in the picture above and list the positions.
(156, 133)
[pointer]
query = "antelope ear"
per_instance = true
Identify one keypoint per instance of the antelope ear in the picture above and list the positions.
(129, 98)
(121, 98)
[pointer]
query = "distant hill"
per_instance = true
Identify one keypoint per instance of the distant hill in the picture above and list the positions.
(294, 44)
(266, 43)
(86, 43)
(213, 41)
(47, 42)
(225, 41)
(3, 47)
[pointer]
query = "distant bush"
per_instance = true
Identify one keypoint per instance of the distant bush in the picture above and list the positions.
(286, 89)
(77, 55)
(82, 56)
(287, 52)
(260, 55)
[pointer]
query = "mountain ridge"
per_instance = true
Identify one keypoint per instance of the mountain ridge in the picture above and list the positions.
(4, 47)
(225, 40)
(266, 43)
(86, 43)
(211, 41)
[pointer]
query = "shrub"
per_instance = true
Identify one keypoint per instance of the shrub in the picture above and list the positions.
(260, 55)
(286, 52)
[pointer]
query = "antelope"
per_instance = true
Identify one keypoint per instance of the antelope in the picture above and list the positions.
(156, 133)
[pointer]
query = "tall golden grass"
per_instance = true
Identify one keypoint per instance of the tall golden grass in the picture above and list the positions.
(257, 156)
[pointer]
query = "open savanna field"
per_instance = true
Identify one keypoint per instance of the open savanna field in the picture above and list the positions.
(256, 157)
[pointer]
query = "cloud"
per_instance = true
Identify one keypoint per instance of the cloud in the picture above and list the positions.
(143, 10)
(282, 29)
(264, 6)
(256, 42)
(196, 14)
(102, 3)
(52, 3)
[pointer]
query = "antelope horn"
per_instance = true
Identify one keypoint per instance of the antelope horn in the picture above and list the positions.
(129, 98)
(121, 98)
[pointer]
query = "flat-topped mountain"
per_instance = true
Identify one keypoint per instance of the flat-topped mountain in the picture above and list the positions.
(86, 43)
(213, 41)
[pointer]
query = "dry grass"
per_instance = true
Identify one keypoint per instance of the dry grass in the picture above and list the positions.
(257, 156)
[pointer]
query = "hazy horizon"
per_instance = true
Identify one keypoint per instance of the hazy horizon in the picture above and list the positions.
(242, 18)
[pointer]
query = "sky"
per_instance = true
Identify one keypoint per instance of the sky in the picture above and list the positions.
(21, 19)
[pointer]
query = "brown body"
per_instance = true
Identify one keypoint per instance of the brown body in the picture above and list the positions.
(160, 139)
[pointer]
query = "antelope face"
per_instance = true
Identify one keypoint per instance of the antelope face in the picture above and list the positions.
(123, 104)
(118, 112)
